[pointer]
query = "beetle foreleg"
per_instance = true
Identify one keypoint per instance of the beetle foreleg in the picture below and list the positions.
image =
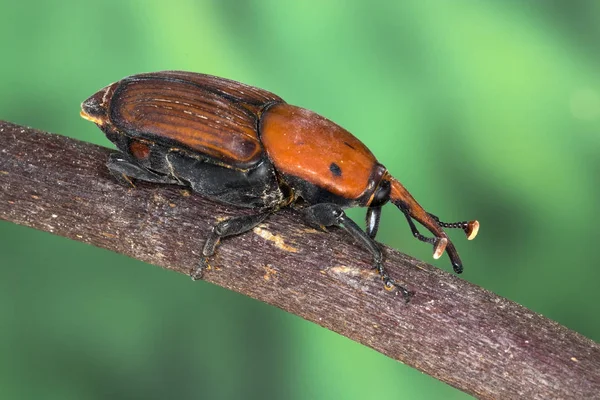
(328, 214)
(229, 227)
(123, 168)
(439, 244)
(373, 217)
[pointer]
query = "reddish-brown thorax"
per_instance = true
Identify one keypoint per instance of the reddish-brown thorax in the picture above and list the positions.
(301, 143)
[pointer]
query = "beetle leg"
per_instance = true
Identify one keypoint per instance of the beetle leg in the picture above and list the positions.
(229, 227)
(123, 168)
(439, 244)
(470, 227)
(373, 217)
(328, 214)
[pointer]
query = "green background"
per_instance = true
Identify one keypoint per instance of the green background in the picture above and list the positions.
(483, 109)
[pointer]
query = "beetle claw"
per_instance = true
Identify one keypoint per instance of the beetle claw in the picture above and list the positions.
(472, 229)
(390, 285)
(123, 179)
(198, 272)
(440, 247)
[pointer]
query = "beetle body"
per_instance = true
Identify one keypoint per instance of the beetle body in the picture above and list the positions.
(246, 147)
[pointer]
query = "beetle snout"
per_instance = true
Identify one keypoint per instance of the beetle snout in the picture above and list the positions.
(94, 108)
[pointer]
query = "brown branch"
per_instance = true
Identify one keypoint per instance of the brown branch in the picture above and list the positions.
(452, 330)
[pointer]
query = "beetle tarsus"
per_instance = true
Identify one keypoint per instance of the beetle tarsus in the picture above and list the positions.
(198, 272)
(389, 284)
(229, 227)
(123, 169)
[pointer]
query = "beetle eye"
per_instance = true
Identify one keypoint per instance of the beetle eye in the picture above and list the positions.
(382, 194)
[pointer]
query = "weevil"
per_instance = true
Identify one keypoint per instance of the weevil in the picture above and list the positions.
(246, 147)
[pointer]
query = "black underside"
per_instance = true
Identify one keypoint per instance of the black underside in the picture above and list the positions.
(312, 194)
(256, 187)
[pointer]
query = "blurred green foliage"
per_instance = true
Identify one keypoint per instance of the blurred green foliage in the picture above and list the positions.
(484, 109)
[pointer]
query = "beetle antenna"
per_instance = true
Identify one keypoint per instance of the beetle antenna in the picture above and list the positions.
(471, 228)
(438, 243)
(402, 199)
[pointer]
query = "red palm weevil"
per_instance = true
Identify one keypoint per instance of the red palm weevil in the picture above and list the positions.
(246, 147)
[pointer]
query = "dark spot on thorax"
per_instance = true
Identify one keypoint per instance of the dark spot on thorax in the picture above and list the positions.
(349, 145)
(335, 169)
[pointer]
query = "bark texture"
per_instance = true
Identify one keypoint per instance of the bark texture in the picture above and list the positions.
(452, 330)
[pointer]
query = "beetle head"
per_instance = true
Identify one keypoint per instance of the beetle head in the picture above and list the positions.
(395, 192)
(95, 108)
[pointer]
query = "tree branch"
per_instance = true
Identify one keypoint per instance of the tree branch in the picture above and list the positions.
(452, 330)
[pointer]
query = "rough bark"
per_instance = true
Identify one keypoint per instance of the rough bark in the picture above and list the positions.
(452, 330)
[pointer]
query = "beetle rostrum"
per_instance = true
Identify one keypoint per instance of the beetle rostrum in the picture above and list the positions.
(246, 147)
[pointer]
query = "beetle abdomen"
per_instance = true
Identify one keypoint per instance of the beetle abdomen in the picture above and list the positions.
(254, 188)
(315, 150)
